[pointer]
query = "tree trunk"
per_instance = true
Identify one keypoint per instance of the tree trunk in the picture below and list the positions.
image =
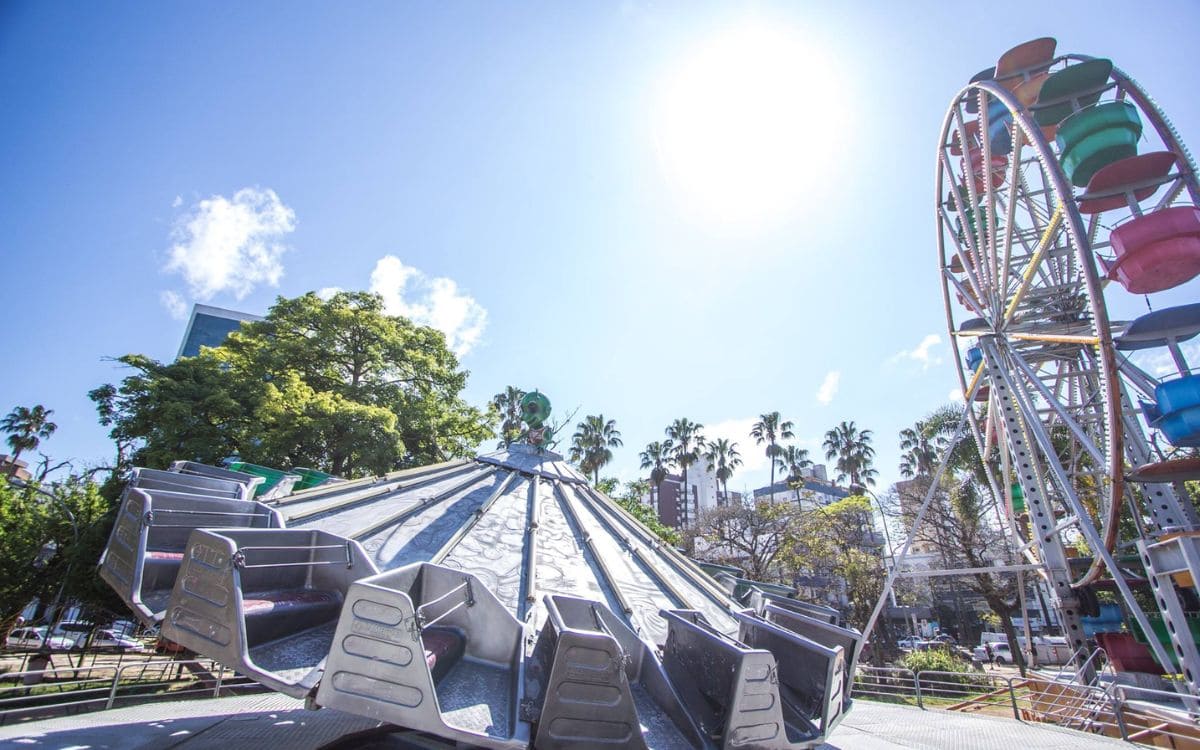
(12, 469)
(1001, 609)
(771, 458)
(687, 498)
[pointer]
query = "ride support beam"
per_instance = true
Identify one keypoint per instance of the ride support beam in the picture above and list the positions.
(1023, 423)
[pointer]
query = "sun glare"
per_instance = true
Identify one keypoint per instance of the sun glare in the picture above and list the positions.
(748, 124)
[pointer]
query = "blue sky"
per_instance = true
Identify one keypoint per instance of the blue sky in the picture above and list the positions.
(520, 166)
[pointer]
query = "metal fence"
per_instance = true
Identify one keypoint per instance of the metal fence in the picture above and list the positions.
(1120, 711)
(66, 690)
(1127, 712)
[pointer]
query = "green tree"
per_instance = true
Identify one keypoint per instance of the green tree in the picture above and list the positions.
(794, 461)
(26, 428)
(333, 384)
(754, 537)
(770, 428)
(592, 444)
(631, 501)
(959, 527)
(836, 543)
(852, 449)
(507, 405)
(608, 485)
(723, 457)
(686, 439)
(50, 539)
(658, 459)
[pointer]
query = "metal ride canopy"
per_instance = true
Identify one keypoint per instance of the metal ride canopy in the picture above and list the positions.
(1057, 175)
(499, 602)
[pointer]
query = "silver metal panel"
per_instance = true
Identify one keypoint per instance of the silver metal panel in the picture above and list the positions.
(263, 601)
(378, 665)
(146, 546)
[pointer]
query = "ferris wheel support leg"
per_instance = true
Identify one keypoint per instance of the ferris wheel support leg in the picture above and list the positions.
(1162, 561)
(943, 464)
(1033, 485)
(1023, 423)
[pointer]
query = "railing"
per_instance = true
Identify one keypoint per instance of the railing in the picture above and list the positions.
(1139, 715)
(63, 690)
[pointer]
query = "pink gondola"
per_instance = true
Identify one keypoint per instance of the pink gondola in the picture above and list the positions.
(1147, 171)
(1156, 251)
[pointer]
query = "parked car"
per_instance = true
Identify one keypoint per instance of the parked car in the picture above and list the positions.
(110, 639)
(76, 630)
(1000, 653)
(908, 644)
(945, 638)
(32, 638)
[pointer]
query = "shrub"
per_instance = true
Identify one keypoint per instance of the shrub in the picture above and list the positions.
(935, 660)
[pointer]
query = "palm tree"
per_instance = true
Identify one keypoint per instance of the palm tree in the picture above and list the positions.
(723, 456)
(508, 403)
(658, 459)
(26, 429)
(852, 449)
(769, 429)
(919, 449)
(795, 462)
(592, 443)
(687, 439)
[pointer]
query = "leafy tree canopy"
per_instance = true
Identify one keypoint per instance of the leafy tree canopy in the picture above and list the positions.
(336, 385)
(38, 547)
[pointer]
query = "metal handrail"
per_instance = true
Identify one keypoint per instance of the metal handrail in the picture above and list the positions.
(102, 691)
(1083, 707)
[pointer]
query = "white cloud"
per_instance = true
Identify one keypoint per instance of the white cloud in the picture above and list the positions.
(829, 387)
(955, 395)
(1158, 362)
(327, 292)
(174, 303)
(177, 202)
(231, 245)
(922, 353)
(754, 457)
(435, 302)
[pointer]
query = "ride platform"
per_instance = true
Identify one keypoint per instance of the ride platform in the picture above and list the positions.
(278, 720)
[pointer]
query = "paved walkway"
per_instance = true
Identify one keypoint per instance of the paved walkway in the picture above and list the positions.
(259, 722)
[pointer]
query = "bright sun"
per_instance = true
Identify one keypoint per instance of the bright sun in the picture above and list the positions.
(748, 124)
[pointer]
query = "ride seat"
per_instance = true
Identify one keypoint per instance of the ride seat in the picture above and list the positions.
(997, 170)
(1176, 411)
(1139, 176)
(987, 74)
(999, 128)
(274, 614)
(1156, 251)
(443, 648)
(1020, 63)
(1095, 137)
(1069, 90)
(971, 128)
(1127, 654)
(1154, 330)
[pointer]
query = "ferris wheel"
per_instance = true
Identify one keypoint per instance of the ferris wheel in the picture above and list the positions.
(1064, 196)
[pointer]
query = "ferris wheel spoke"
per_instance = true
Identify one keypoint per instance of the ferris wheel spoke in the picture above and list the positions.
(968, 297)
(992, 258)
(1039, 254)
(1084, 440)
